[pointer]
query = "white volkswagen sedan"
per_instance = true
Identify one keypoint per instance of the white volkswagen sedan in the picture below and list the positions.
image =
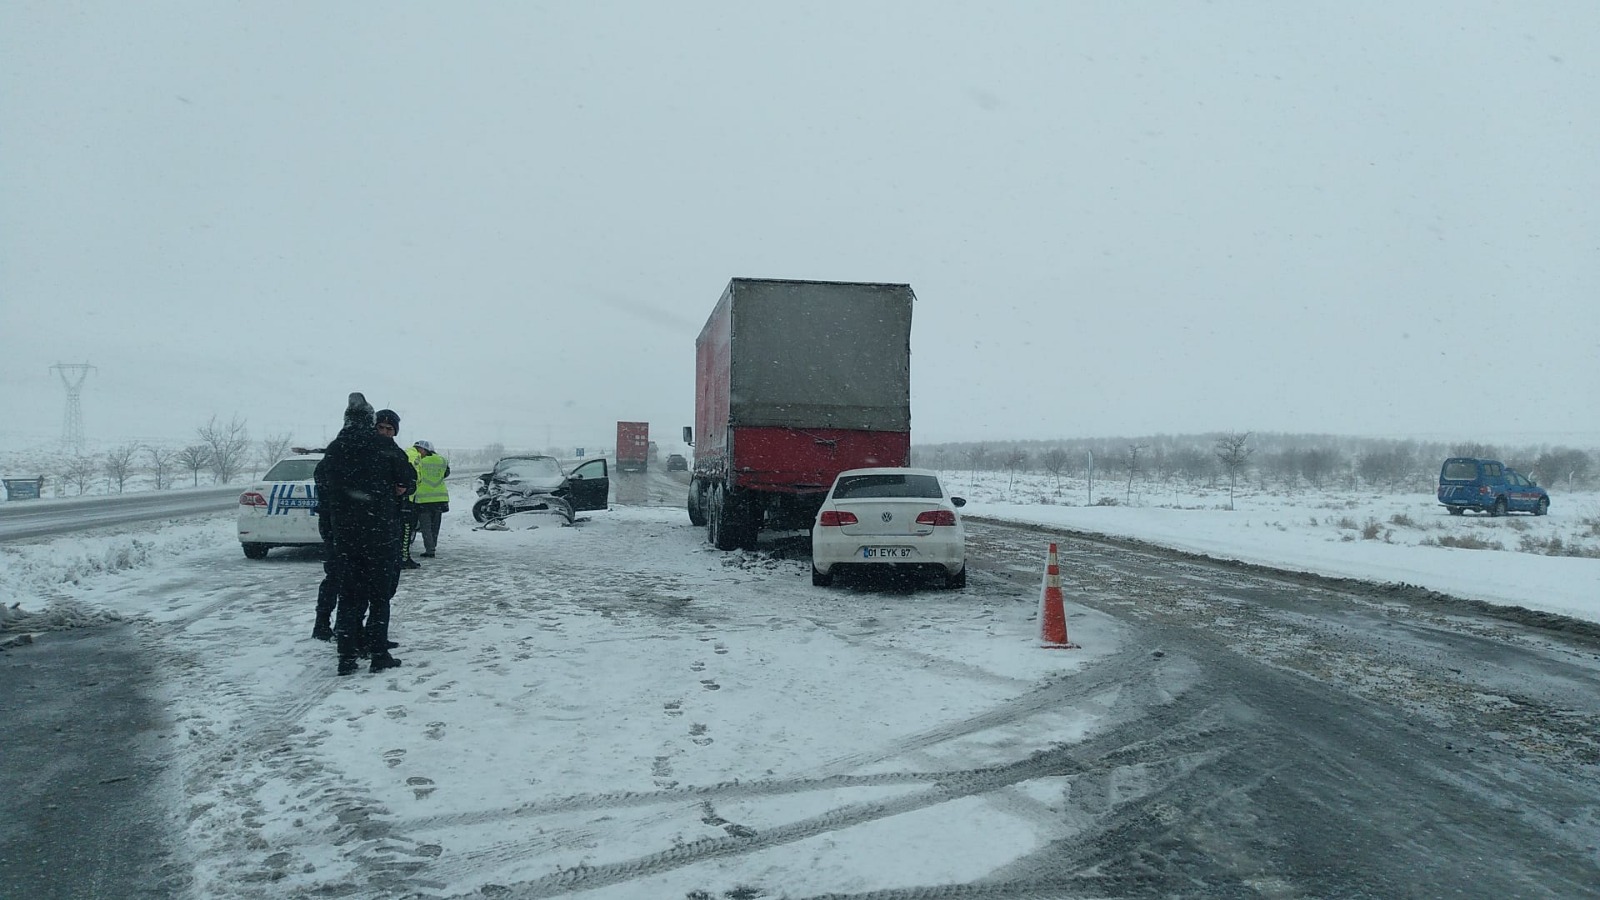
(889, 518)
(280, 510)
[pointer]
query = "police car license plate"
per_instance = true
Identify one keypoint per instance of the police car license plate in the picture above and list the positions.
(886, 552)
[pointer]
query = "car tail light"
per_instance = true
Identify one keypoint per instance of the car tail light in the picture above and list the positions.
(252, 498)
(936, 517)
(834, 518)
(1483, 489)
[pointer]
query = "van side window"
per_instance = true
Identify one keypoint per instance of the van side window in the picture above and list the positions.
(1491, 470)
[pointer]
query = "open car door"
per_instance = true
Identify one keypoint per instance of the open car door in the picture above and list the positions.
(589, 486)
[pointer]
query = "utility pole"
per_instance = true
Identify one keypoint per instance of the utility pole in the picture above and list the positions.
(1091, 477)
(72, 376)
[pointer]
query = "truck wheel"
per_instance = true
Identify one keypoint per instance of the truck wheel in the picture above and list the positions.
(1499, 507)
(717, 526)
(742, 520)
(1455, 510)
(255, 551)
(697, 512)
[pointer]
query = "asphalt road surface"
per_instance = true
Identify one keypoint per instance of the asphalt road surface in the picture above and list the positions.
(22, 519)
(82, 775)
(1291, 736)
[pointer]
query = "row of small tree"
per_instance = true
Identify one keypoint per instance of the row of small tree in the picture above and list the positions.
(1285, 460)
(221, 448)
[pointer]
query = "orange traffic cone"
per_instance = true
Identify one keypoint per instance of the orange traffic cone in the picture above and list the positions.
(1052, 609)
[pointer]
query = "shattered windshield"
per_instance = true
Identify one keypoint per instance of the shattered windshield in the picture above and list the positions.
(536, 470)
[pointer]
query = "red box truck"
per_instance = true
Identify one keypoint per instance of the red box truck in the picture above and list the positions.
(795, 382)
(633, 446)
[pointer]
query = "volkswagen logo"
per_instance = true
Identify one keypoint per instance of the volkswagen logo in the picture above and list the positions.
(888, 517)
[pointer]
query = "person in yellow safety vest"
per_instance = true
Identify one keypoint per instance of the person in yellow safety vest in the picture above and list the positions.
(432, 498)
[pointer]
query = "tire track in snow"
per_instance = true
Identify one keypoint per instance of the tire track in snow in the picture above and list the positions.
(1140, 743)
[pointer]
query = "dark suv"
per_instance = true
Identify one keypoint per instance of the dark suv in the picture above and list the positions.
(1488, 485)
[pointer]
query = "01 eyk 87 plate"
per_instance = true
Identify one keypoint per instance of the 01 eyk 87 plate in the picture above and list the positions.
(887, 552)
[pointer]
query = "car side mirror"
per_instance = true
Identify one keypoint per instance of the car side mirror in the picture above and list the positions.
(958, 501)
(688, 435)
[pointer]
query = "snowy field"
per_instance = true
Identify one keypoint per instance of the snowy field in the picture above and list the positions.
(1549, 563)
(566, 722)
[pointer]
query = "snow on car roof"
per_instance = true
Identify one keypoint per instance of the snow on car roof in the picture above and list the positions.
(889, 470)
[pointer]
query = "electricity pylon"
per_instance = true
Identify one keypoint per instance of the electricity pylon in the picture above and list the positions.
(72, 376)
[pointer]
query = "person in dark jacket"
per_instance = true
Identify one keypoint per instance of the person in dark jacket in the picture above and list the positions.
(389, 426)
(361, 480)
(328, 590)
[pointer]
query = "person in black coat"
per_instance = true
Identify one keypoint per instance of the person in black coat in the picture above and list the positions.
(389, 426)
(360, 482)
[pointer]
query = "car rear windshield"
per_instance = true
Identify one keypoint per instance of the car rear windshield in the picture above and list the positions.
(292, 470)
(859, 486)
(1460, 470)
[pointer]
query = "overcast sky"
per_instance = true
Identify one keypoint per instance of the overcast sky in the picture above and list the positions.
(509, 221)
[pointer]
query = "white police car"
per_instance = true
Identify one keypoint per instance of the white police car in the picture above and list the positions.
(280, 510)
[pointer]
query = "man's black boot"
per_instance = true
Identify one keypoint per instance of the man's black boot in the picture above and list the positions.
(381, 661)
(348, 665)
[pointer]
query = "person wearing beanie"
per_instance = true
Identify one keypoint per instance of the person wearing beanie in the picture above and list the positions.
(389, 424)
(432, 499)
(360, 482)
(357, 414)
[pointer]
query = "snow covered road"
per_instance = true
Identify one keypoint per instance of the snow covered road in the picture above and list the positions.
(589, 696)
(614, 710)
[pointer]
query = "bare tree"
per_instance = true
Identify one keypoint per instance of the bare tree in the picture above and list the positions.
(1476, 449)
(162, 459)
(1133, 467)
(977, 455)
(1389, 464)
(1232, 452)
(80, 471)
(275, 447)
(1563, 462)
(119, 464)
(1318, 464)
(1014, 459)
(194, 458)
(227, 443)
(1054, 461)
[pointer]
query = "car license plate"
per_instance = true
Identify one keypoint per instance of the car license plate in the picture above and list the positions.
(886, 552)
